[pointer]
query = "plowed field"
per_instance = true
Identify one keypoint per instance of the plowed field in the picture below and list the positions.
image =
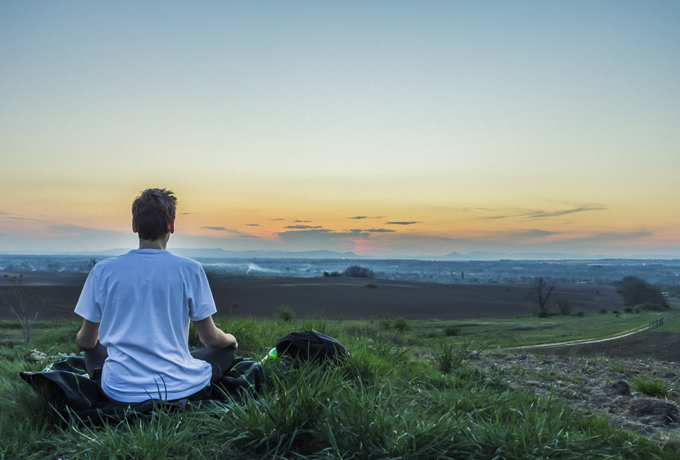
(349, 298)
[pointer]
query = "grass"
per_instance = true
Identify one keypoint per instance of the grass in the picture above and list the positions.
(380, 403)
(449, 356)
(651, 387)
(530, 330)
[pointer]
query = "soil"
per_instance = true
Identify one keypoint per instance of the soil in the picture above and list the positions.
(348, 298)
(658, 345)
(597, 385)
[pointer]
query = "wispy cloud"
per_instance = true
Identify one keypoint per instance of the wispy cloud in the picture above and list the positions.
(322, 238)
(278, 219)
(408, 222)
(302, 227)
(252, 225)
(522, 235)
(564, 212)
(374, 230)
(231, 231)
(302, 221)
(216, 228)
(365, 217)
(538, 213)
(536, 233)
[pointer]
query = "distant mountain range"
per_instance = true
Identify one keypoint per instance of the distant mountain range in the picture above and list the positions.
(218, 253)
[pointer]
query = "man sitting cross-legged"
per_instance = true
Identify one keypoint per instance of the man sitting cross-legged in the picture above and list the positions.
(137, 308)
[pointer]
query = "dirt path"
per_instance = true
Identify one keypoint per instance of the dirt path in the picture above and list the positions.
(570, 343)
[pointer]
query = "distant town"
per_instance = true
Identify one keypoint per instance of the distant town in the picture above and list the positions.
(665, 273)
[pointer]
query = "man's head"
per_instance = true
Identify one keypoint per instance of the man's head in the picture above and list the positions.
(153, 213)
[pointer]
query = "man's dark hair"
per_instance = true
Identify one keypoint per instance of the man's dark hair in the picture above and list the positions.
(152, 212)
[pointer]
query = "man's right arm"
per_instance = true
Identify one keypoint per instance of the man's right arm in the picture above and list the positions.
(211, 336)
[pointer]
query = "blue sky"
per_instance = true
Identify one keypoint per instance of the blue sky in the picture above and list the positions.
(505, 126)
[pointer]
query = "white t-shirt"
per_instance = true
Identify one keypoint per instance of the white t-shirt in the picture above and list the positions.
(143, 301)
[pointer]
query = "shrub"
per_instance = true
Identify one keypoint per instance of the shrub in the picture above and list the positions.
(543, 314)
(638, 291)
(332, 274)
(384, 323)
(628, 309)
(285, 313)
(24, 306)
(563, 306)
(580, 314)
(616, 312)
(451, 331)
(355, 271)
(401, 325)
(371, 286)
(651, 306)
(603, 311)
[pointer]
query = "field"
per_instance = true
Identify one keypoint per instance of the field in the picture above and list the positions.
(345, 298)
(415, 385)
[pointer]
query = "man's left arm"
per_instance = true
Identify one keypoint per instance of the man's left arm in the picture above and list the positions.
(88, 335)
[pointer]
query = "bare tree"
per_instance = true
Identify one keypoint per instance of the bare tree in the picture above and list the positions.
(540, 291)
(24, 307)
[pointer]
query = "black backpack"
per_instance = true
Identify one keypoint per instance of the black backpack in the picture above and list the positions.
(310, 345)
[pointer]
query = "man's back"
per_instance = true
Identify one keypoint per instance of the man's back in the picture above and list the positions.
(144, 301)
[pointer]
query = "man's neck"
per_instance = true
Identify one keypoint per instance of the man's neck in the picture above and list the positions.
(160, 243)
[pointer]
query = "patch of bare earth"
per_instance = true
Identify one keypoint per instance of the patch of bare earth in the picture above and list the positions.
(335, 298)
(597, 385)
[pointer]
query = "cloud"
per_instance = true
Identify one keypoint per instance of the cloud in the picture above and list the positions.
(410, 222)
(543, 214)
(533, 233)
(303, 227)
(231, 231)
(330, 234)
(375, 230)
(302, 221)
(365, 217)
(278, 219)
(315, 239)
(185, 214)
(540, 214)
(252, 225)
(9, 215)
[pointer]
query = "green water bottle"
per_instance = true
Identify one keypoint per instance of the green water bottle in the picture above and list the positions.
(273, 353)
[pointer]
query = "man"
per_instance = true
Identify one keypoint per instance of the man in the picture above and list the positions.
(136, 309)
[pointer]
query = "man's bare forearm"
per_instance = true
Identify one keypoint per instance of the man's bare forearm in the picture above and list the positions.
(213, 337)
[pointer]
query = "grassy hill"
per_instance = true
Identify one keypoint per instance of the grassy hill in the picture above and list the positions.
(412, 394)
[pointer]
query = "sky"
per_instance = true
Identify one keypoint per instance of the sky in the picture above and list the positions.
(400, 128)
